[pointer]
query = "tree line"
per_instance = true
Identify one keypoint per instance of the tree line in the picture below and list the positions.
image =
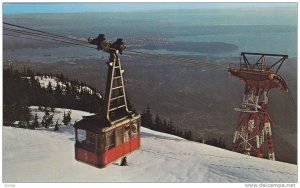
(22, 89)
(32, 122)
(157, 124)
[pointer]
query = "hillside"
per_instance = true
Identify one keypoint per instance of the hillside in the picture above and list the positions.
(45, 80)
(48, 156)
(195, 99)
(26, 88)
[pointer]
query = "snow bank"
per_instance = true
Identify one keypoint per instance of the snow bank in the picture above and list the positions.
(47, 156)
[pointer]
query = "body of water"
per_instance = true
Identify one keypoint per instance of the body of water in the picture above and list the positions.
(265, 30)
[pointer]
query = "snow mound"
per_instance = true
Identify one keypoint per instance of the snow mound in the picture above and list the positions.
(46, 156)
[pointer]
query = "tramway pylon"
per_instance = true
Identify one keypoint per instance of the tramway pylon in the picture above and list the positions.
(253, 129)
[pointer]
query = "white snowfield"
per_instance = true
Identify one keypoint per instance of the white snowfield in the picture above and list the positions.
(45, 80)
(46, 156)
(76, 115)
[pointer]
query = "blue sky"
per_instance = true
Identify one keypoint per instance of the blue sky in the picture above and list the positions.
(25, 8)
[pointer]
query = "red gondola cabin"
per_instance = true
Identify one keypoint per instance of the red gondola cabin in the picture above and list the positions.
(104, 138)
(99, 144)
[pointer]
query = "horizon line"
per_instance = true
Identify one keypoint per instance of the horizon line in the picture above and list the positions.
(65, 8)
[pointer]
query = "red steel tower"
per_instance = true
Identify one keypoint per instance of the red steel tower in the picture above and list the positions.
(253, 133)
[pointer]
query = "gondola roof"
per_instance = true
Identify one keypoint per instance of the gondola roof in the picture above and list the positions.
(95, 123)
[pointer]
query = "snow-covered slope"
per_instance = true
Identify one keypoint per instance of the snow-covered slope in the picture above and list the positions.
(47, 156)
(54, 81)
(76, 115)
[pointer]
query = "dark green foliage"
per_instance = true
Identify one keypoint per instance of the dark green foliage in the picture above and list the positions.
(52, 109)
(47, 119)
(215, 142)
(35, 123)
(67, 118)
(56, 128)
(49, 88)
(124, 162)
(22, 89)
(8, 124)
(162, 125)
(22, 124)
(146, 120)
(170, 128)
(129, 105)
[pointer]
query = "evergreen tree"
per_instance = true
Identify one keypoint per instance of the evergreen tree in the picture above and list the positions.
(49, 88)
(20, 92)
(47, 119)
(143, 118)
(164, 126)
(171, 127)
(157, 123)
(22, 124)
(52, 109)
(58, 90)
(35, 122)
(188, 135)
(67, 118)
(68, 88)
(124, 162)
(56, 128)
(148, 118)
(129, 105)
(23, 114)
(179, 133)
(64, 118)
(220, 142)
(200, 140)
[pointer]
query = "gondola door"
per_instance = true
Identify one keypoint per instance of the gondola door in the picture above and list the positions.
(119, 142)
(110, 149)
(127, 145)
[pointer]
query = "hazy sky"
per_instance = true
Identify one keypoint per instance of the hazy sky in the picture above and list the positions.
(23, 8)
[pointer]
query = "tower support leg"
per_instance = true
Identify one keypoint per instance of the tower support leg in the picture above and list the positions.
(254, 125)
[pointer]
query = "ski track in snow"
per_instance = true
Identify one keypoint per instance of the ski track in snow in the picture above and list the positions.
(46, 156)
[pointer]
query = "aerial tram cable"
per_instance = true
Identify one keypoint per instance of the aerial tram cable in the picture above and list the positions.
(36, 30)
(186, 60)
(141, 57)
(164, 57)
(36, 34)
(43, 40)
(59, 38)
(55, 35)
(27, 38)
(48, 38)
(140, 54)
(182, 60)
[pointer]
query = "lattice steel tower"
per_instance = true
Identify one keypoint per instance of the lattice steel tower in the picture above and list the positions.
(253, 133)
